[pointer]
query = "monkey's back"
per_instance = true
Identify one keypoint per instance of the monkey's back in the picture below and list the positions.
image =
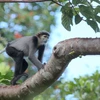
(23, 44)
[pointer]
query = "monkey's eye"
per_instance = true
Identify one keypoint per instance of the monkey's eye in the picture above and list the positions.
(45, 36)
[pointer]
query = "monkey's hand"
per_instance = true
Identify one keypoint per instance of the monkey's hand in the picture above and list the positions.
(42, 66)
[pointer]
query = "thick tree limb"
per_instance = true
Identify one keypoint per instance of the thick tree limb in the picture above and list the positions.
(62, 54)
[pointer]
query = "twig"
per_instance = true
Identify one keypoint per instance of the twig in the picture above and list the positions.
(57, 3)
(24, 0)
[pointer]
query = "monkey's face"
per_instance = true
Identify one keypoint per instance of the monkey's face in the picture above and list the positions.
(44, 39)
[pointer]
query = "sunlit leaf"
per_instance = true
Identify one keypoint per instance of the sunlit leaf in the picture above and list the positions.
(97, 10)
(67, 16)
(66, 21)
(94, 25)
(86, 11)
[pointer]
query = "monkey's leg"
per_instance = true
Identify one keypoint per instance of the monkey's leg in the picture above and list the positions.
(22, 70)
(18, 66)
(18, 58)
(24, 66)
(21, 73)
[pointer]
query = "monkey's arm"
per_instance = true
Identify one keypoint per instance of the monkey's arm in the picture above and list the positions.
(32, 57)
(40, 52)
(35, 61)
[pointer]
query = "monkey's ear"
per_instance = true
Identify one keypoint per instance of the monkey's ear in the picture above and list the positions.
(39, 34)
(35, 41)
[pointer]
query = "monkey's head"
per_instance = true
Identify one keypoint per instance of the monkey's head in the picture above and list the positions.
(43, 37)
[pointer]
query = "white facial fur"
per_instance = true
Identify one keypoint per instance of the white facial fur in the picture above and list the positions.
(43, 39)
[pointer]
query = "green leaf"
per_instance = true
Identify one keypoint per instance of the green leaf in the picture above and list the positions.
(94, 25)
(61, 0)
(86, 11)
(77, 19)
(67, 10)
(97, 18)
(2, 6)
(75, 2)
(76, 10)
(97, 10)
(4, 68)
(66, 21)
(67, 16)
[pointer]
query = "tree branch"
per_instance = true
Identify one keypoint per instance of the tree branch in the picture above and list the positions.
(57, 3)
(62, 54)
(24, 0)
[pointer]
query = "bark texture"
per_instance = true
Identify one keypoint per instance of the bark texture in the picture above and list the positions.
(62, 54)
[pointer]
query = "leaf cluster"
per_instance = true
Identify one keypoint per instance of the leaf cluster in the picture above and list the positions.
(81, 10)
(82, 88)
(5, 74)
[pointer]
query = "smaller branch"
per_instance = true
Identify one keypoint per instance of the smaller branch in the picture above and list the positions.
(57, 3)
(72, 6)
(24, 0)
(75, 10)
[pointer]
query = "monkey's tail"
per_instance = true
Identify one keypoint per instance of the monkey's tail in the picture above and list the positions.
(3, 50)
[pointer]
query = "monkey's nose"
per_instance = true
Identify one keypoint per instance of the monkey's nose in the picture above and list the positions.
(45, 41)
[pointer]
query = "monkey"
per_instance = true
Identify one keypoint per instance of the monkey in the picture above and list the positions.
(26, 47)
